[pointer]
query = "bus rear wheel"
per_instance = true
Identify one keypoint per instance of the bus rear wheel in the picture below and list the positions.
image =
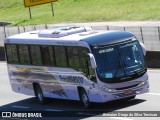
(39, 94)
(84, 99)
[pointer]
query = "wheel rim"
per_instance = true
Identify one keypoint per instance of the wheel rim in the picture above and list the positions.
(85, 99)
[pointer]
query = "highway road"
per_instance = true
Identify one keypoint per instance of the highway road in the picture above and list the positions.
(10, 101)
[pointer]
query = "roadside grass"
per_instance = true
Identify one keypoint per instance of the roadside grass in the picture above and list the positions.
(80, 11)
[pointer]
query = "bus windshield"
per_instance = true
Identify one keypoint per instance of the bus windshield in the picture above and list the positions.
(119, 60)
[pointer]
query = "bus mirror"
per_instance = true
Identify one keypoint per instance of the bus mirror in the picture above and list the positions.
(92, 60)
(143, 49)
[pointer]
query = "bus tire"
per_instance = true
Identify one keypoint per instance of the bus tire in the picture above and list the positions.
(39, 94)
(84, 99)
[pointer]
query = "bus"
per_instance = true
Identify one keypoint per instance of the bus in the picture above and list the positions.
(77, 63)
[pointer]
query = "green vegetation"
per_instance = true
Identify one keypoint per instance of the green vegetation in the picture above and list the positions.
(80, 11)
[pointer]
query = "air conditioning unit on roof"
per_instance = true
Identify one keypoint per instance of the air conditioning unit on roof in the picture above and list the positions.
(62, 31)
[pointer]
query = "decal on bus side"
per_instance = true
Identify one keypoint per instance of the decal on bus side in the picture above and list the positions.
(71, 79)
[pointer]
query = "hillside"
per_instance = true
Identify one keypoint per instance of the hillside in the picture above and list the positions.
(80, 11)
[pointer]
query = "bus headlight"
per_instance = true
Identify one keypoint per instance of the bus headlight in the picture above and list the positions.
(143, 83)
(106, 89)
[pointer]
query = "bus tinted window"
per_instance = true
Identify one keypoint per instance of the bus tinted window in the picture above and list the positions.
(9, 53)
(73, 57)
(52, 55)
(84, 59)
(12, 53)
(60, 55)
(24, 54)
(48, 55)
(36, 58)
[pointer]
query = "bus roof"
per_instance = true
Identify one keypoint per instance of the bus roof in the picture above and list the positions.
(108, 38)
(75, 35)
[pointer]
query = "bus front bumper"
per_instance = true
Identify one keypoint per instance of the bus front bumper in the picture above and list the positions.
(109, 96)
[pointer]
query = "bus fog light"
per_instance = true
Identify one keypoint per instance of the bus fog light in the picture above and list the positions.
(138, 92)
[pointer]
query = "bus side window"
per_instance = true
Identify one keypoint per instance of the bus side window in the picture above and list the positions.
(24, 54)
(45, 55)
(85, 64)
(35, 55)
(52, 55)
(73, 57)
(12, 53)
(60, 56)
(92, 75)
(48, 55)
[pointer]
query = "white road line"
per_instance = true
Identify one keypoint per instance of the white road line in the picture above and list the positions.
(120, 118)
(53, 110)
(154, 70)
(152, 93)
(24, 107)
(3, 63)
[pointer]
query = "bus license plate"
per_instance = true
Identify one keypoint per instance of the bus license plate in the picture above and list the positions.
(128, 92)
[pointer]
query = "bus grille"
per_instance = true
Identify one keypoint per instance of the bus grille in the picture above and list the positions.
(127, 87)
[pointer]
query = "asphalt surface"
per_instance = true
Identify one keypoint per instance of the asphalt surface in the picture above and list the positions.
(10, 101)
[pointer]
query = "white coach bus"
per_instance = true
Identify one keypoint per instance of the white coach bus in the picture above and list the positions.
(77, 63)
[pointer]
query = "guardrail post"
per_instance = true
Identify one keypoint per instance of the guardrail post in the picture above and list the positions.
(4, 28)
(24, 29)
(34, 27)
(107, 27)
(142, 35)
(18, 30)
(46, 26)
(159, 32)
(124, 28)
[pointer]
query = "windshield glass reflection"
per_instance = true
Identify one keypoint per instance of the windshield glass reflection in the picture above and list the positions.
(119, 60)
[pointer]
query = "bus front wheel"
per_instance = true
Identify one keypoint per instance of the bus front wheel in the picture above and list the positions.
(39, 94)
(84, 99)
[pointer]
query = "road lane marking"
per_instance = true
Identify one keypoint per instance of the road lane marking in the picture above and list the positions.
(53, 110)
(154, 70)
(120, 118)
(15, 106)
(3, 63)
(152, 93)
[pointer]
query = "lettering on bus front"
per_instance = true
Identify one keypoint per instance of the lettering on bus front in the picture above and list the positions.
(71, 79)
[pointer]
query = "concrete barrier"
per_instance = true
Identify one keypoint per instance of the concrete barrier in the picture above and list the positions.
(149, 35)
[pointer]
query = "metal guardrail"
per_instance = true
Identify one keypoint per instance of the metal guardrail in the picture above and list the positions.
(150, 36)
(152, 58)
